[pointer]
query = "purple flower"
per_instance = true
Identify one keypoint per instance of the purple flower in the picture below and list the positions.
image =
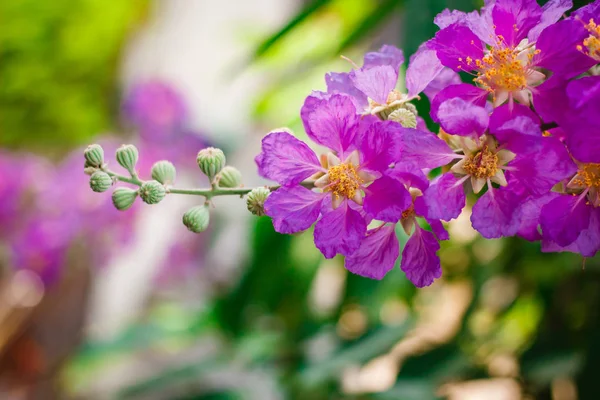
(373, 86)
(156, 109)
(509, 46)
(380, 249)
(505, 153)
(351, 186)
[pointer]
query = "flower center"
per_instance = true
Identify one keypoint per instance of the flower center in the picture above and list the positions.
(501, 68)
(483, 164)
(344, 180)
(587, 177)
(592, 42)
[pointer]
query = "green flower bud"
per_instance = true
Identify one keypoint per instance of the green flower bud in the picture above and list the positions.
(197, 219)
(211, 161)
(404, 117)
(152, 192)
(164, 172)
(94, 156)
(256, 200)
(100, 181)
(412, 108)
(123, 198)
(230, 177)
(127, 157)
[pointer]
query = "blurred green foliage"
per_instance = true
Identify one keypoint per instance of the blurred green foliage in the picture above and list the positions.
(58, 64)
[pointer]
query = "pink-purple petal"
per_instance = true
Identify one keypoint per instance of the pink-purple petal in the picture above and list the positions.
(376, 255)
(386, 199)
(469, 93)
(340, 231)
(387, 55)
(378, 143)
(497, 213)
(285, 159)
(459, 117)
(515, 18)
(375, 82)
(420, 262)
(423, 149)
(423, 68)
(444, 199)
(294, 208)
(517, 127)
(341, 83)
(563, 219)
(331, 122)
(454, 44)
(552, 11)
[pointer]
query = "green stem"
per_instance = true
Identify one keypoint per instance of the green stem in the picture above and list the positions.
(205, 192)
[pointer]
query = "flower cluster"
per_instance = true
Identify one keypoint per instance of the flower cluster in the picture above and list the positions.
(518, 134)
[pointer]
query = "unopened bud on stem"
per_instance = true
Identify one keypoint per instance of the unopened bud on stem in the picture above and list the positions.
(230, 177)
(123, 198)
(164, 172)
(152, 192)
(211, 161)
(256, 200)
(94, 156)
(100, 181)
(197, 219)
(127, 157)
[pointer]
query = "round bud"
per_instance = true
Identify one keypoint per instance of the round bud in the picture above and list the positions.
(211, 161)
(123, 198)
(164, 172)
(404, 117)
(94, 156)
(256, 200)
(127, 157)
(152, 192)
(230, 177)
(412, 108)
(197, 219)
(100, 181)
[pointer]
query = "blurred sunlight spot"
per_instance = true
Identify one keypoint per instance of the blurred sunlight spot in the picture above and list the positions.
(460, 229)
(483, 389)
(393, 312)
(499, 292)
(503, 365)
(486, 250)
(352, 323)
(327, 288)
(26, 290)
(377, 375)
(564, 389)
(455, 257)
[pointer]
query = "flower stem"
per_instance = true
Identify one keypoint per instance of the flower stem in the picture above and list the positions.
(209, 193)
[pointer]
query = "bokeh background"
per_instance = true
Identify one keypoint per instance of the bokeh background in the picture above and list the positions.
(100, 304)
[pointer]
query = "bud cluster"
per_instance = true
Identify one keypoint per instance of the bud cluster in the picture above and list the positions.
(224, 180)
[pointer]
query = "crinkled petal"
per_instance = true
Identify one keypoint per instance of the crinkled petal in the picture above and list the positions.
(583, 141)
(584, 95)
(331, 122)
(552, 11)
(286, 159)
(541, 169)
(469, 93)
(589, 11)
(410, 177)
(386, 199)
(563, 219)
(423, 149)
(423, 68)
(515, 18)
(376, 255)
(341, 83)
(530, 216)
(378, 143)
(496, 214)
(340, 231)
(445, 78)
(454, 44)
(448, 17)
(438, 229)
(459, 117)
(420, 262)
(557, 45)
(444, 199)
(517, 127)
(387, 55)
(375, 82)
(294, 208)
(549, 100)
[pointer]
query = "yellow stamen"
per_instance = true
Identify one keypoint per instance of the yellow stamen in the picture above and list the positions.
(344, 179)
(483, 164)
